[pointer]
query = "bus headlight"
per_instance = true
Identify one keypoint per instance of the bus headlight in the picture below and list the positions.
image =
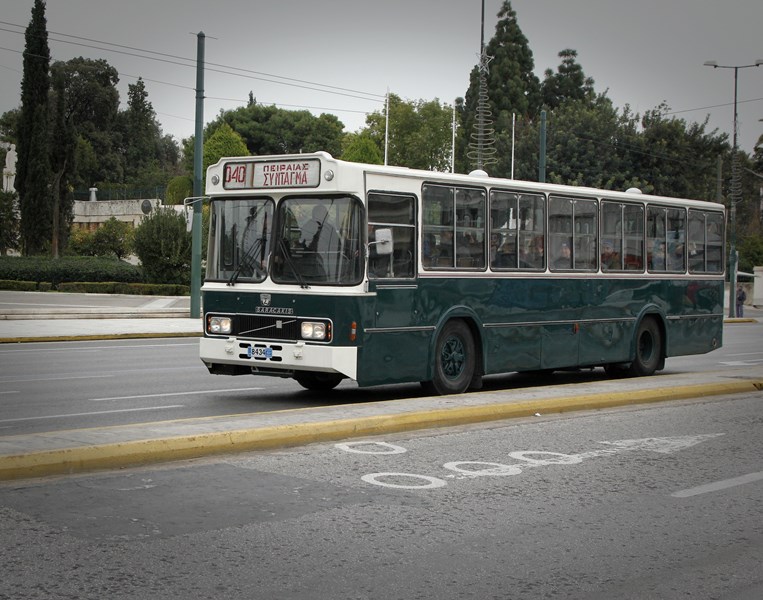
(313, 330)
(219, 325)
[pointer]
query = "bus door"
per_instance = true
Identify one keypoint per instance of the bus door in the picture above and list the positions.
(394, 343)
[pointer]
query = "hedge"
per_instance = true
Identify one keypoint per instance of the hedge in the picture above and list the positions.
(97, 287)
(115, 287)
(68, 268)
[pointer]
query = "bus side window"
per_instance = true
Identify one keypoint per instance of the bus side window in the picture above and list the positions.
(705, 242)
(396, 213)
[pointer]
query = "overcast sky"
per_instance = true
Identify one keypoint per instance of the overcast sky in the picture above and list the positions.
(341, 56)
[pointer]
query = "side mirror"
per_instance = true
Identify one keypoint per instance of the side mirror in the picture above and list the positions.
(383, 242)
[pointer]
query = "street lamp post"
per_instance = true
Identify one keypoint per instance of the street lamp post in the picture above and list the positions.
(736, 189)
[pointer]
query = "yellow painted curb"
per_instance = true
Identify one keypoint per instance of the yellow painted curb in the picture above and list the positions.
(105, 336)
(140, 452)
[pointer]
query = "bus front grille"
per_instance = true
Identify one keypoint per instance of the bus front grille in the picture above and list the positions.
(266, 327)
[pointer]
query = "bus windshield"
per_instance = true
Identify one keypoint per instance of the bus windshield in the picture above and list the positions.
(239, 239)
(318, 240)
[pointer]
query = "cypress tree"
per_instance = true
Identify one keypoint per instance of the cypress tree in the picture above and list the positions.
(33, 166)
(512, 86)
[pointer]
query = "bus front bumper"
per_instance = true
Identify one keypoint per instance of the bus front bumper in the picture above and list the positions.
(273, 358)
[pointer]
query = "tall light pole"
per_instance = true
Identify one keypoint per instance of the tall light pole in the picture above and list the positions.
(736, 188)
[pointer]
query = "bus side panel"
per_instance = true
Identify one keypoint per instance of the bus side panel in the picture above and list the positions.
(699, 328)
(393, 357)
(694, 335)
(606, 342)
(559, 346)
(512, 348)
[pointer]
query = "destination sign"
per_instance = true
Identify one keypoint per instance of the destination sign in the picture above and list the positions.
(272, 174)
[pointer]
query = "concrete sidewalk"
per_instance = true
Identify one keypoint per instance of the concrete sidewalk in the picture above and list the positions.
(79, 450)
(53, 316)
(61, 330)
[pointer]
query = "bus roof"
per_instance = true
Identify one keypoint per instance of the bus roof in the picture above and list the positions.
(319, 171)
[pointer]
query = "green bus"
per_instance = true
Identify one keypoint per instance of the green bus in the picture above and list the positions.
(322, 270)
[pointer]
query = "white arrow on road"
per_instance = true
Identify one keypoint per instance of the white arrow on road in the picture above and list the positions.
(665, 445)
(741, 363)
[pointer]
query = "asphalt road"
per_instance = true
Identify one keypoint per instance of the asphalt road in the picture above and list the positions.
(53, 386)
(650, 502)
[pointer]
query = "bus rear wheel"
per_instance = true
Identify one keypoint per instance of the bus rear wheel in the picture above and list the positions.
(455, 360)
(648, 356)
(317, 382)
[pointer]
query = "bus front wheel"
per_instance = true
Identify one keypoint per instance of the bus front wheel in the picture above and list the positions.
(648, 349)
(455, 360)
(317, 382)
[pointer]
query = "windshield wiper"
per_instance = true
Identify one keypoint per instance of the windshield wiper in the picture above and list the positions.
(247, 262)
(290, 262)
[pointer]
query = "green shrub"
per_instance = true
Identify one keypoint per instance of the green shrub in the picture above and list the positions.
(116, 287)
(18, 286)
(113, 238)
(179, 188)
(163, 245)
(67, 268)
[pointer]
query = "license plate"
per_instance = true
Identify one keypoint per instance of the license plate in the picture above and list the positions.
(258, 352)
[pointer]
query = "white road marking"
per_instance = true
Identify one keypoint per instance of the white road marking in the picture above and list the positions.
(10, 392)
(741, 363)
(69, 349)
(254, 389)
(493, 470)
(89, 414)
(432, 482)
(531, 459)
(716, 486)
(385, 448)
(666, 445)
(54, 378)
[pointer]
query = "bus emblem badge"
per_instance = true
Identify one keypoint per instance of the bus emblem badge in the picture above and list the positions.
(265, 299)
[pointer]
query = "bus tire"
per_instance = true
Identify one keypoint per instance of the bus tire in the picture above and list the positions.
(455, 360)
(648, 355)
(317, 382)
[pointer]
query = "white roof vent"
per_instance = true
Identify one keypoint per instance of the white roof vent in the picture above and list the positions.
(633, 191)
(478, 173)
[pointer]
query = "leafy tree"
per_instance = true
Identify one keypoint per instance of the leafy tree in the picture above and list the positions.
(178, 189)
(92, 109)
(113, 238)
(80, 242)
(139, 132)
(9, 125)
(9, 222)
(223, 142)
(750, 252)
(568, 83)
(150, 157)
(271, 130)
(33, 166)
(361, 148)
(579, 150)
(419, 133)
(676, 158)
(163, 245)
